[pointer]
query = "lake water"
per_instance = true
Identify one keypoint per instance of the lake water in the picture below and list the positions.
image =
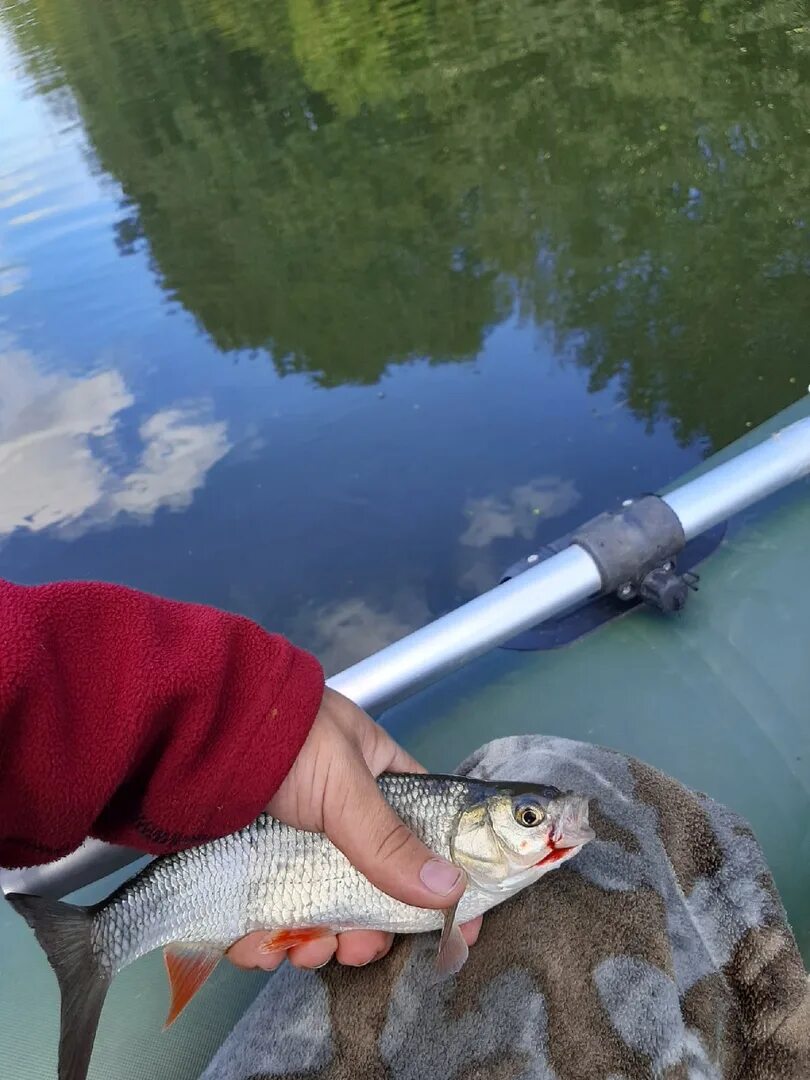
(327, 313)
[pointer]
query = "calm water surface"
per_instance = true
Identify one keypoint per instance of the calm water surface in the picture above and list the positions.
(325, 313)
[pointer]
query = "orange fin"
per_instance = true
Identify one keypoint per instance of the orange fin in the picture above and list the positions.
(188, 967)
(281, 940)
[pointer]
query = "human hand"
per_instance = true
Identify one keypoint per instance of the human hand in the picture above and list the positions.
(344, 752)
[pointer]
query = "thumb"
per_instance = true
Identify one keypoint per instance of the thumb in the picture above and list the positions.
(375, 840)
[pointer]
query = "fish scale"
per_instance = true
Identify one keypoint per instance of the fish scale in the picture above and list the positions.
(272, 875)
(294, 885)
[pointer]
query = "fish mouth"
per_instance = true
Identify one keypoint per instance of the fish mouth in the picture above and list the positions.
(562, 849)
(571, 832)
(554, 856)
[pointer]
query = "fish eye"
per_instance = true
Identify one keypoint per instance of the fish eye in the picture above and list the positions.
(529, 814)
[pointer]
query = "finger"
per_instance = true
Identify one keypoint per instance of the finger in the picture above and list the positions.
(401, 761)
(471, 930)
(359, 947)
(382, 753)
(314, 954)
(375, 840)
(389, 756)
(247, 953)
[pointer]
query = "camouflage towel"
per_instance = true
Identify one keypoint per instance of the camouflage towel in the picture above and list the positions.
(662, 951)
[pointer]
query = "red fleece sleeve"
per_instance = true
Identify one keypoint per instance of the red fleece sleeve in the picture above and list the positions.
(137, 720)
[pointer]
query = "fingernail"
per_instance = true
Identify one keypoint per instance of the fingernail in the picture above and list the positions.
(439, 876)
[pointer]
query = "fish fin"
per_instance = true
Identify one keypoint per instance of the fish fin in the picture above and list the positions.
(188, 967)
(453, 951)
(281, 940)
(64, 932)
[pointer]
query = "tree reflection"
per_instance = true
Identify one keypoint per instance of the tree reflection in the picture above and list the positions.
(351, 184)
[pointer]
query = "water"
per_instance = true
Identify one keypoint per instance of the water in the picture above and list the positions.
(326, 314)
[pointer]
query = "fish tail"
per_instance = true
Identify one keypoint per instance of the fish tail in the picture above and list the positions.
(64, 932)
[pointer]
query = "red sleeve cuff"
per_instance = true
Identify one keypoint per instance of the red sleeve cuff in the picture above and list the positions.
(249, 764)
(229, 782)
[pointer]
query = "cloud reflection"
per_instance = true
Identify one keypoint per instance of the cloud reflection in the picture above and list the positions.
(61, 465)
(349, 630)
(516, 514)
(178, 452)
(12, 279)
(345, 631)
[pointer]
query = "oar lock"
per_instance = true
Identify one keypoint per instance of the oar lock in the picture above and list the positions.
(642, 556)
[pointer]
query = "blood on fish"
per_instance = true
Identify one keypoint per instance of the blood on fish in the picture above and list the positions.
(554, 856)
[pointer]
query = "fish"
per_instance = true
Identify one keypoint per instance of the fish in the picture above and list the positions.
(297, 886)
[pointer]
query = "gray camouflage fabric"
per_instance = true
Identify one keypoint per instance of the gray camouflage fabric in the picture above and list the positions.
(662, 951)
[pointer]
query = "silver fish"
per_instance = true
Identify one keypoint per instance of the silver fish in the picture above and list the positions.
(297, 886)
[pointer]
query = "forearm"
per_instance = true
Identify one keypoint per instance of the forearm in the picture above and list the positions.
(139, 720)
